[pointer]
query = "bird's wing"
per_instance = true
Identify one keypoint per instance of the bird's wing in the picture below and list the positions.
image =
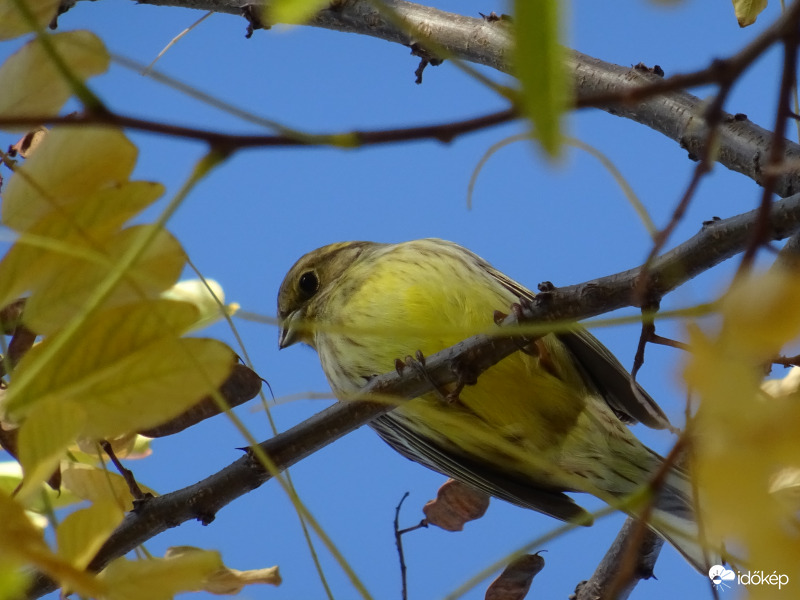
(613, 381)
(602, 369)
(480, 475)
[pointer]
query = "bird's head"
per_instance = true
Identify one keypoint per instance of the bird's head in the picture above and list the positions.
(304, 292)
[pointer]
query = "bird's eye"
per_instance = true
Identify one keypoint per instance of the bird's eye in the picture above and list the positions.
(308, 283)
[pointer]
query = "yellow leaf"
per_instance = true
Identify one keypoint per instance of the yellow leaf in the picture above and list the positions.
(539, 66)
(43, 500)
(747, 10)
(294, 11)
(62, 292)
(159, 578)
(21, 540)
(98, 485)
(78, 230)
(50, 428)
(69, 165)
(10, 476)
(31, 83)
(127, 369)
(13, 24)
(130, 445)
(745, 441)
(82, 533)
(158, 384)
(13, 581)
(762, 313)
(231, 581)
(224, 580)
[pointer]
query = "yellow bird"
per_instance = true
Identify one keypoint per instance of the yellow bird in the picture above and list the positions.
(539, 423)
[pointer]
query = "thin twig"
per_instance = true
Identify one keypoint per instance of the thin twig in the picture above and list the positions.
(663, 341)
(228, 143)
(398, 540)
(126, 473)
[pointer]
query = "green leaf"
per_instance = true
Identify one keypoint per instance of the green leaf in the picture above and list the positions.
(747, 10)
(294, 11)
(540, 68)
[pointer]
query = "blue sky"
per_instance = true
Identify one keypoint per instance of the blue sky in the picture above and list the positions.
(254, 216)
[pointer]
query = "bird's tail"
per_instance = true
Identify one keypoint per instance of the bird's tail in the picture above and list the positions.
(674, 517)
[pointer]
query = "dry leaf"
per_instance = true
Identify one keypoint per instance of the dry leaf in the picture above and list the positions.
(28, 143)
(455, 504)
(515, 580)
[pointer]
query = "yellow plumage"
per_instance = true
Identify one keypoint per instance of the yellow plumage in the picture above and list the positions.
(538, 423)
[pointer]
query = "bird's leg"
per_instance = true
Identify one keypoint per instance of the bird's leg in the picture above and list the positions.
(518, 310)
(532, 347)
(464, 375)
(417, 364)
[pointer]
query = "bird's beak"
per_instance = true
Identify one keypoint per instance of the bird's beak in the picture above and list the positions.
(287, 335)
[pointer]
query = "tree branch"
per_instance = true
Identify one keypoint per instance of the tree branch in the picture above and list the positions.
(227, 142)
(716, 242)
(742, 147)
(607, 571)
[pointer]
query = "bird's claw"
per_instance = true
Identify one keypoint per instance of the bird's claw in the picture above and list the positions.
(521, 306)
(417, 364)
(465, 375)
(518, 309)
(499, 317)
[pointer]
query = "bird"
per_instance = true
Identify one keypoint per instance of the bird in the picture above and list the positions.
(549, 419)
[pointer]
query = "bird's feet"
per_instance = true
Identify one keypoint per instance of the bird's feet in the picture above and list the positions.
(464, 376)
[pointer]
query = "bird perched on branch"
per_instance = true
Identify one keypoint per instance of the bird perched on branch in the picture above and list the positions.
(549, 419)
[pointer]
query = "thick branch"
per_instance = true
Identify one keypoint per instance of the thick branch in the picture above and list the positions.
(716, 242)
(607, 571)
(743, 146)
